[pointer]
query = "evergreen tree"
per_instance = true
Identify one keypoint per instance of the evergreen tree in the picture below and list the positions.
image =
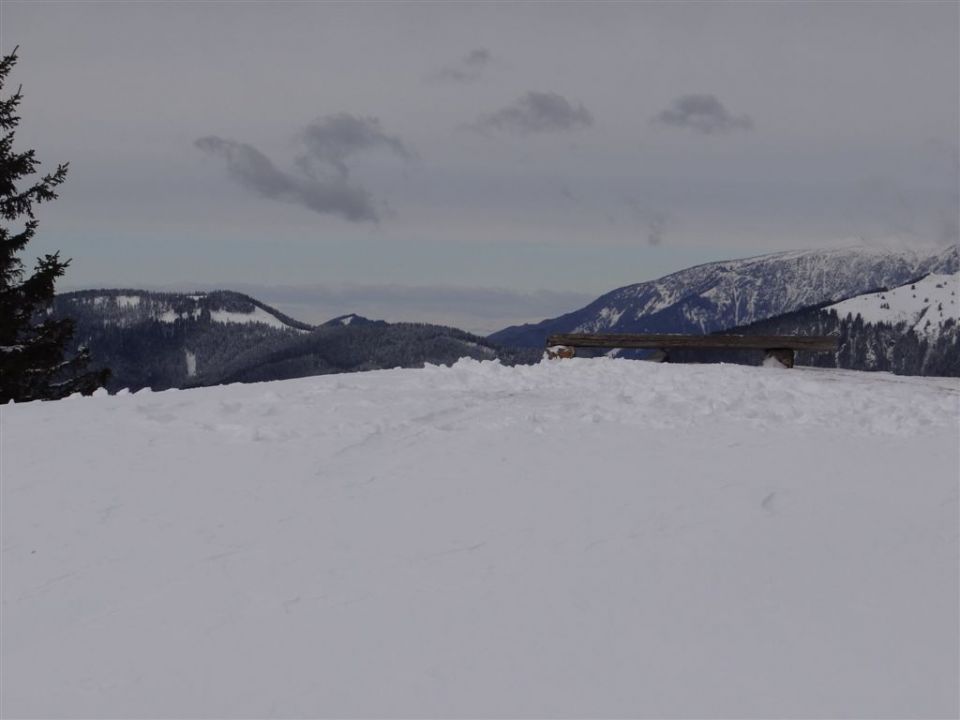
(33, 345)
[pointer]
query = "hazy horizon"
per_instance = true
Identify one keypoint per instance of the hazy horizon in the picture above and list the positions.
(475, 309)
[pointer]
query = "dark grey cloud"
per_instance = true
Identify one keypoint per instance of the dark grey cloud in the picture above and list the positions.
(703, 114)
(537, 112)
(322, 178)
(329, 141)
(468, 68)
(256, 172)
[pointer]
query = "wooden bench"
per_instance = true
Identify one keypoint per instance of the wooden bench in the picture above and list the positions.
(781, 347)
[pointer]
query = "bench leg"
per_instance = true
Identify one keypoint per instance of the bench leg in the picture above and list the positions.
(784, 355)
(560, 351)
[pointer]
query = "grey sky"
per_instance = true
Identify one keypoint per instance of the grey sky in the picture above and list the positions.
(623, 141)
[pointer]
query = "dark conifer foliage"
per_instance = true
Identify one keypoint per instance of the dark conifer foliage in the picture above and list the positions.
(874, 346)
(174, 340)
(33, 362)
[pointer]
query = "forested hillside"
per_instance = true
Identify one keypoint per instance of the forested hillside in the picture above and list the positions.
(164, 340)
(882, 346)
(172, 340)
(890, 347)
(912, 329)
(334, 348)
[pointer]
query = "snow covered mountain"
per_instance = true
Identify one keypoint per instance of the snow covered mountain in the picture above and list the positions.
(722, 295)
(125, 308)
(913, 329)
(924, 306)
(351, 319)
(171, 340)
(164, 340)
(439, 543)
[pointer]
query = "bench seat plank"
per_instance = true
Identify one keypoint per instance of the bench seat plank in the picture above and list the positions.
(813, 343)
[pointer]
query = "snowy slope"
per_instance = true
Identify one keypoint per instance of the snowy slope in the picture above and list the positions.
(583, 538)
(728, 294)
(257, 315)
(923, 306)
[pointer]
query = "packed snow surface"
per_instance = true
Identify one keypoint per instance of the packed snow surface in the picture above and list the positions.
(580, 538)
(924, 305)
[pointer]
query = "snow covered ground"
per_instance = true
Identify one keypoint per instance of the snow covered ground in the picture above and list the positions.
(581, 538)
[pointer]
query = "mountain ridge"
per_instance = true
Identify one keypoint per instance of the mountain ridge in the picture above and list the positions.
(719, 295)
(179, 340)
(130, 305)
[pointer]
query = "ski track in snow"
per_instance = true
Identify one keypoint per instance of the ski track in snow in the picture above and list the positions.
(577, 538)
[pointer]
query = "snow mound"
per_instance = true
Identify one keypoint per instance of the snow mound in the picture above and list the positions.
(577, 538)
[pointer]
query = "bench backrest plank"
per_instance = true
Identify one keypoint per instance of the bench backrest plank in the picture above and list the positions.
(813, 343)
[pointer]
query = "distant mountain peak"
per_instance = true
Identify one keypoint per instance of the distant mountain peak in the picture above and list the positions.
(349, 319)
(721, 295)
